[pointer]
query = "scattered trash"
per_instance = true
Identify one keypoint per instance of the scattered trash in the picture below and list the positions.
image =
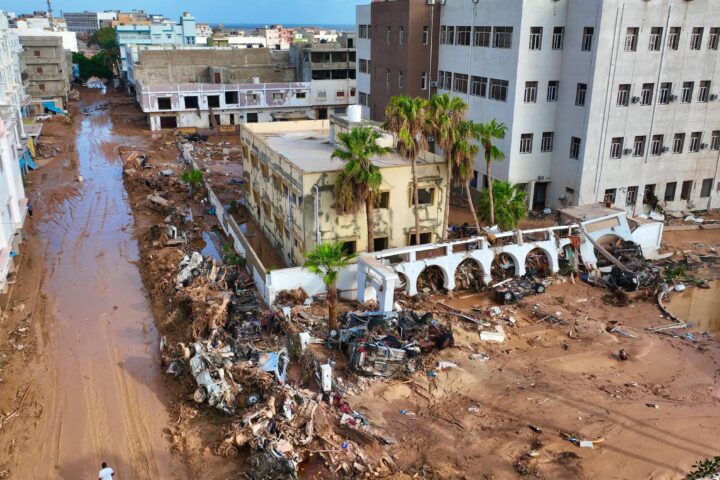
(652, 405)
(535, 428)
(498, 336)
(480, 356)
(622, 355)
(446, 365)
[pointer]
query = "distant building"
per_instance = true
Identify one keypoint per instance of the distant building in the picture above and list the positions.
(276, 37)
(223, 86)
(69, 39)
(158, 31)
(289, 179)
(13, 147)
(48, 69)
(88, 23)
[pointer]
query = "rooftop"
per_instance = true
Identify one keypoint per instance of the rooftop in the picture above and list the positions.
(306, 144)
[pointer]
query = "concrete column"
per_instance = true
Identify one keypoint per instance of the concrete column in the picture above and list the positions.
(385, 297)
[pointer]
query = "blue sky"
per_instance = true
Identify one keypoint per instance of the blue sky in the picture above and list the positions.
(213, 11)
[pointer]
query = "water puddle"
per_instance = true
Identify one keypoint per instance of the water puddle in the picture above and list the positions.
(701, 306)
(212, 245)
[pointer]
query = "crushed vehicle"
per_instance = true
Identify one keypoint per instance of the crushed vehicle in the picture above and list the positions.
(380, 344)
(518, 288)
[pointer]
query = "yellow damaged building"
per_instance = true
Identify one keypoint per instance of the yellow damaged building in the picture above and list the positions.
(289, 177)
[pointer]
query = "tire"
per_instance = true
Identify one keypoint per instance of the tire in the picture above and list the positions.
(200, 395)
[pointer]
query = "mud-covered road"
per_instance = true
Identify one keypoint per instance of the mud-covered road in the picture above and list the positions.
(100, 388)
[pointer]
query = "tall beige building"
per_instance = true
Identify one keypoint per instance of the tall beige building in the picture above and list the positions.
(289, 180)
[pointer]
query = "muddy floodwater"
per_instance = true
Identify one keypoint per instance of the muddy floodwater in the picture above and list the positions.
(701, 306)
(106, 400)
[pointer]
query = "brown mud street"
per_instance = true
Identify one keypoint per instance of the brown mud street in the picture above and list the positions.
(92, 392)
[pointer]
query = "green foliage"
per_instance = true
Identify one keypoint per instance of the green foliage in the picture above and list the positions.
(193, 177)
(326, 260)
(100, 65)
(359, 177)
(705, 468)
(464, 151)
(105, 38)
(407, 119)
(509, 205)
(231, 257)
(677, 272)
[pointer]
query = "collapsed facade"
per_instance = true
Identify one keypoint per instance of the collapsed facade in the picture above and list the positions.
(210, 87)
(289, 180)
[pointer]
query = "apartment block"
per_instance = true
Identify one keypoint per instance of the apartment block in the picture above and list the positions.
(398, 45)
(138, 30)
(48, 69)
(606, 101)
(289, 180)
(87, 23)
(13, 138)
(210, 87)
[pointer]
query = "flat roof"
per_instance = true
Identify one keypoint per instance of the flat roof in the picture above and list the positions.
(310, 149)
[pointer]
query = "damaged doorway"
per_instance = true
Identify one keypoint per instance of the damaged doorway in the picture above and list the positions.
(539, 196)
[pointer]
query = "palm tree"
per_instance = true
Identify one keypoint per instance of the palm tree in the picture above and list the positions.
(509, 204)
(193, 178)
(359, 180)
(405, 118)
(445, 113)
(488, 132)
(326, 260)
(464, 152)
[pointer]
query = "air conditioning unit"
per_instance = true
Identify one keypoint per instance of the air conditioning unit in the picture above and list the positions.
(673, 98)
(627, 151)
(713, 97)
(703, 146)
(635, 99)
(665, 149)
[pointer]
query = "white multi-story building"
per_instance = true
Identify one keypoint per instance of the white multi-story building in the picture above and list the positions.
(12, 146)
(364, 53)
(606, 101)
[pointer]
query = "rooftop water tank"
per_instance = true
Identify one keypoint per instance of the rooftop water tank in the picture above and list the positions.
(354, 114)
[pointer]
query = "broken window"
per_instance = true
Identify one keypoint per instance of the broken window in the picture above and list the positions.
(609, 197)
(191, 102)
(670, 188)
(706, 188)
(384, 200)
(232, 98)
(380, 244)
(425, 196)
(424, 238)
(686, 190)
(649, 194)
(631, 195)
(164, 103)
(213, 101)
(350, 247)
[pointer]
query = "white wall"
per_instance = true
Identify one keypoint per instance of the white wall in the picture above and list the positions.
(603, 68)
(363, 49)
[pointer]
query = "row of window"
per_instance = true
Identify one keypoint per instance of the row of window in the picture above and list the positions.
(496, 37)
(665, 93)
(617, 144)
(365, 31)
(492, 88)
(233, 98)
(501, 37)
(657, 144)
(649, 195)
(547, 142)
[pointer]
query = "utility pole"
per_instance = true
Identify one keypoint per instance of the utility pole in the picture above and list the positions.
(49, 11)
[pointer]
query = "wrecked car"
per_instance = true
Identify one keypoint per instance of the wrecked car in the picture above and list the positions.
(380, 344)
(215, 385)
(517, 289)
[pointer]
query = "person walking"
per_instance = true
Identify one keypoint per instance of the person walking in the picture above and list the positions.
(106, 473)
